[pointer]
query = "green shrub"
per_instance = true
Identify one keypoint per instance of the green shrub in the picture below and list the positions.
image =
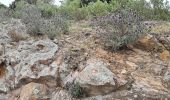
(121, 28)
(80, 14)
(47, 10)
(2, 6)
(98, 8)
(71, 9)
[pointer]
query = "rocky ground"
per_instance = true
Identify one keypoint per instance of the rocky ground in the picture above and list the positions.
(37, 68)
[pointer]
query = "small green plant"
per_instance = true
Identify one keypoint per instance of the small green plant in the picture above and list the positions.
(76, 90)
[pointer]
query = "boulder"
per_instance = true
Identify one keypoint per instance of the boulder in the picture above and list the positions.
(31, 60)
(96, 78)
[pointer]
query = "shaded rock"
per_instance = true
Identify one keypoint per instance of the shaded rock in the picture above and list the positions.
(61, 95)
(166, 79)
(33, 91)
(13, 95)
(165, 40)
(147, 42)
(96, 79)
(129, 95)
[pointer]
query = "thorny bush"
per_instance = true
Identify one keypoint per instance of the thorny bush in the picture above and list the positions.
(119, 29)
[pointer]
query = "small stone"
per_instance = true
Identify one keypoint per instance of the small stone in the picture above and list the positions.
(131, 64)
(123, 71)
(165, 55)
(135, 96)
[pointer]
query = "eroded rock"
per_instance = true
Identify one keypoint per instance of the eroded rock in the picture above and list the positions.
(31, 60)
(148, 42)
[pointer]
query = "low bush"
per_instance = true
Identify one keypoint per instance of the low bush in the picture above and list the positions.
(80, 14)
(31, 17)
(120, 29)
(37, 25)
(54, 27)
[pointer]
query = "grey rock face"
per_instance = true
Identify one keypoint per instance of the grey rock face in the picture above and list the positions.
(96, 78)
(30, 60)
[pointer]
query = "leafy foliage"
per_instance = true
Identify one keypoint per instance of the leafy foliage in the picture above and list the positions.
(98, 8)
(2, 6)
(121, 28)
